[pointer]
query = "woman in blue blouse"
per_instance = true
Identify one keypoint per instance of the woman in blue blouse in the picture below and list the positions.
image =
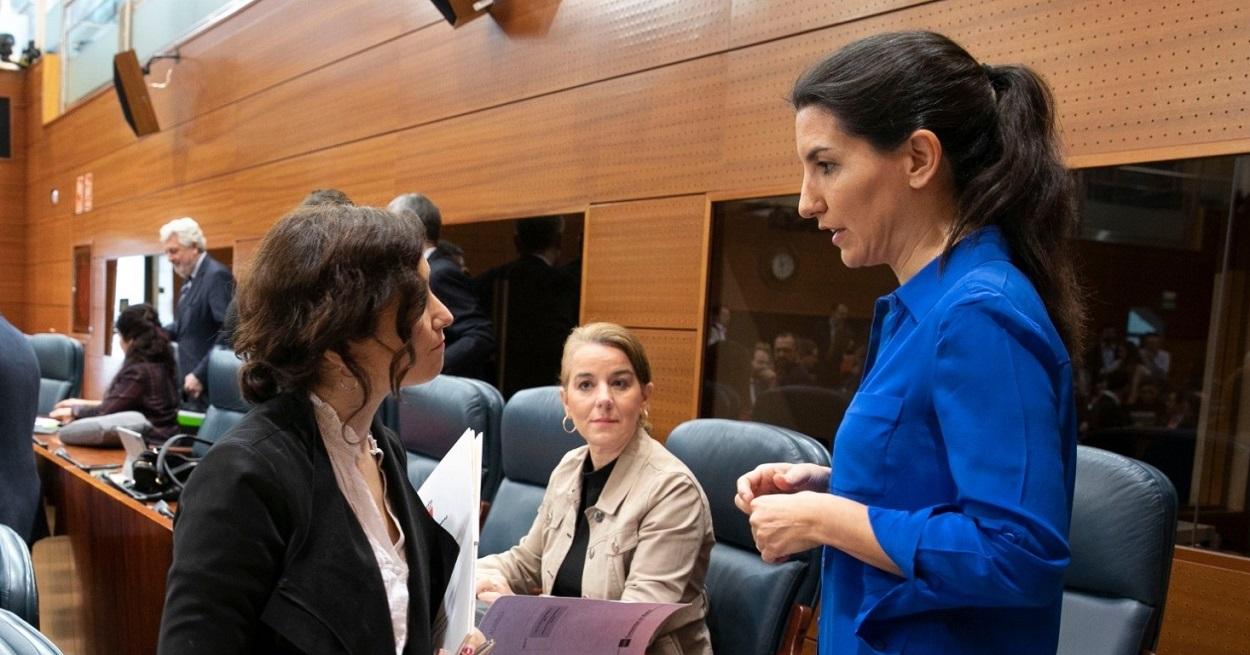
(946, 519)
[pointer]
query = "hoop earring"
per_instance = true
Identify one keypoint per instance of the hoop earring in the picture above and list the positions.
(567, 424)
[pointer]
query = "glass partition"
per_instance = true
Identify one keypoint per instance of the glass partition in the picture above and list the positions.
(159, 24)
(91, 38)
(88, 33)
(788, 322)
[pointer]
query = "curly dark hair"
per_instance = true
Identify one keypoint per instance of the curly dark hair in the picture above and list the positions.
(141, 327)
(321, 278)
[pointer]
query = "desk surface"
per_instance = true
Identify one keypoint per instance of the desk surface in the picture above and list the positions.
(97, 456)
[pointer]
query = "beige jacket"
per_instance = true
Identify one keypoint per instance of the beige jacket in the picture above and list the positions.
(650, 540)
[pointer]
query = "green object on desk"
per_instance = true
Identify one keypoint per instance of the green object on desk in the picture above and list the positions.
(189, 419)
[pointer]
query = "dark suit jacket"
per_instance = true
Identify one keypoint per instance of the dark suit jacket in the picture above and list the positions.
(542, 308)
(470, 339)
(19, 398)
(199, 315)
(269, 558)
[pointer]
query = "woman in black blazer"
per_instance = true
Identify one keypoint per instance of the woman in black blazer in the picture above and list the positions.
(299, 531)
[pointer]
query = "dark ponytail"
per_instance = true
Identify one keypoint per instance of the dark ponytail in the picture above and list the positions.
(140, 326)
(997, 129)
(1028, 192)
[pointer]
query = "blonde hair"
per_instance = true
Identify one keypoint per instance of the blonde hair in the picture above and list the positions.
(612, 336)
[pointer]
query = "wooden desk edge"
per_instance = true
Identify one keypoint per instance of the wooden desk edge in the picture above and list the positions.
(49, 454)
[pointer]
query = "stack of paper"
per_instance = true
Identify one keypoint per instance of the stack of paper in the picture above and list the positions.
(452, 495)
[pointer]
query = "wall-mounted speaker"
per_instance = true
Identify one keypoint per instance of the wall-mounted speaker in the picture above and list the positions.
(132, 93)
(459, 12)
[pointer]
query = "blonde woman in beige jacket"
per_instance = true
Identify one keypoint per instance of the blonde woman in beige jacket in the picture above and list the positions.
(622, 519)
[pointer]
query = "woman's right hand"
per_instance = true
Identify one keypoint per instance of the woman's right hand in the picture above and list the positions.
(62, 414)
(72, 403)
(490, 586)
(779, 478)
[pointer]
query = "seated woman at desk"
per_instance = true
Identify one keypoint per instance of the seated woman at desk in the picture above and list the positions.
(622, 518)
(299, 531)
(143, 396)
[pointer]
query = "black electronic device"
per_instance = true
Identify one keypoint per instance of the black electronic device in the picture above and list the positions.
(459, 12)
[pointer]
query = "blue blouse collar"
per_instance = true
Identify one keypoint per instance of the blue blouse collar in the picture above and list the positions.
(920, 293)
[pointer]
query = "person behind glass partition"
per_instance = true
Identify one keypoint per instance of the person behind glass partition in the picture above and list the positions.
(945, 521)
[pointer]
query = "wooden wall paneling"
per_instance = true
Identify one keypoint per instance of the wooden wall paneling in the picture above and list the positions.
(762, 20)
(1208, 604)
(13, 202)
(359, 169)
(646, 135)
(357, 98)
(263, 45)
(674, 357)
(655, 133)
(31, 122)
(529, 49)
(484, 166)
(94, 128)
(244, 250)
(50, 283)
(177, 156)
(47, 317)
(276, 40)
(1133, 81)
(645, 262)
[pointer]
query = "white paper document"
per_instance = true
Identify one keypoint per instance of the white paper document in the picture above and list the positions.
(552, 625)
(452, 495)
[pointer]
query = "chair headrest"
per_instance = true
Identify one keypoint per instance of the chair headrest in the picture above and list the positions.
(1123, 528)
(432, 416)
(532, 440)
(60, 357)
(223, 387)
(718, 451)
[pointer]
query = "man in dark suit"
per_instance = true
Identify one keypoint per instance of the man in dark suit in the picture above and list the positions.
(540, 308)
(470, 338)
(19, 396)
(207, 289)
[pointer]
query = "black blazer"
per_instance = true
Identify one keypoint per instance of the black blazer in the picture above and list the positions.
(470, 338)
(268, 557)
(199, 315)
(19, 399)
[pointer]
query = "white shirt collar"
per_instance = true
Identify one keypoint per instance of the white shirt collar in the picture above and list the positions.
(198, 262)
